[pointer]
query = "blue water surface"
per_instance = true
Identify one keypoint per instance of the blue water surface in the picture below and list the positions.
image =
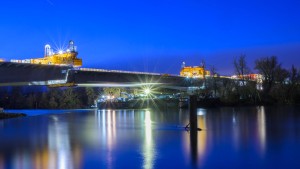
(241, 137)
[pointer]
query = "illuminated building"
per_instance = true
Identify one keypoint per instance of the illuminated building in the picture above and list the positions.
(61, 57)
(254, 77)
(258, 78)
(194, 72)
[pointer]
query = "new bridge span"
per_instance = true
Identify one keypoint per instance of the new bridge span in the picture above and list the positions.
(22, 74)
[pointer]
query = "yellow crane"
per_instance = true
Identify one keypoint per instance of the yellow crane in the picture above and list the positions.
(68, 57)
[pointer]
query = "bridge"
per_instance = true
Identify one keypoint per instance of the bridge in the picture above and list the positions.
(24, 74)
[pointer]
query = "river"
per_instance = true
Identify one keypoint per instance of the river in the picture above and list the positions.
(240, 137)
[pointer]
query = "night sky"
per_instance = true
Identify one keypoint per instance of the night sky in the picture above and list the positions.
(153, 35)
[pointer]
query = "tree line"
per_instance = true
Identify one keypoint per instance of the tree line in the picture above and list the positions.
(49, 98)
(33, 97)
(278, 85)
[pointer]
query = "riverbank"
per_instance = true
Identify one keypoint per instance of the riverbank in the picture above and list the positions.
(181, 103)
(140, 104)
(11, 115)
(215, 102)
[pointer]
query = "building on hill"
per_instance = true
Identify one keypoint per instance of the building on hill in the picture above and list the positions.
(193, 72)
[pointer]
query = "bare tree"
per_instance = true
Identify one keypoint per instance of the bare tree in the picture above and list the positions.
(294, 75)
(204, 72)
(294, 79)
(241, 67)
(214, 75)
(267, 66)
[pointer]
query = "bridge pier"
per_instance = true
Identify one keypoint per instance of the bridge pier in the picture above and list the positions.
(193, 129)
(193, 113)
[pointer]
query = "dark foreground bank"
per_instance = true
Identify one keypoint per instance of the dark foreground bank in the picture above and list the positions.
(11, 115)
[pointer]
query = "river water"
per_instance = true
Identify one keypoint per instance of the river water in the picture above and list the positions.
(243, 137)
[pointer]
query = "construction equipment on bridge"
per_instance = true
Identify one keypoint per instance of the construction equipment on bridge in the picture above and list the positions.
(68, 57)
(194, 72)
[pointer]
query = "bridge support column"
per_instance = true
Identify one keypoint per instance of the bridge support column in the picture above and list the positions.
(193, 130)
(193, 113)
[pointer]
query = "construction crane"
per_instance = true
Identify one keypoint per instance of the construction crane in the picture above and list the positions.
(67, 57)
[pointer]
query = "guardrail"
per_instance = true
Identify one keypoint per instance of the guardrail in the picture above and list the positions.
(122, 71)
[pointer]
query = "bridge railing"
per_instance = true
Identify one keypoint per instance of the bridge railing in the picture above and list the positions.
(120, 71)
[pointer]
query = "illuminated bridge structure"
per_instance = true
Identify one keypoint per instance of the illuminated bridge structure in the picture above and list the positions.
(24, 74)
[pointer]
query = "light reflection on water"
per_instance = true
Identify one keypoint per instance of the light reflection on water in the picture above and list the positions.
(60, 155)
(249, 137)
(261, 127)
(148, 146)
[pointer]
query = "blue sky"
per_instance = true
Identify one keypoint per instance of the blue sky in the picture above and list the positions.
(153, 35)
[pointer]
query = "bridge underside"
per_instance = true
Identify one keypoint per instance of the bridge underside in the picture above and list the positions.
(22, 74)
(115, 79)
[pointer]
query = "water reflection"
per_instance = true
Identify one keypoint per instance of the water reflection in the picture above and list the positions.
(202, 135)
(107, 124)
(196, 142)
(261, 128)
(231, 138)
(60, 155)
(235, 129)
(148, 146)
(1, 161)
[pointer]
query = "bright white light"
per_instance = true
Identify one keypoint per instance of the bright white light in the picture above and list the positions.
(60, 52)
(147, 91)
(201, 112)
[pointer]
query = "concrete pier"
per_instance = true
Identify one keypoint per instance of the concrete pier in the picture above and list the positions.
(193, 130)
(193, 113)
